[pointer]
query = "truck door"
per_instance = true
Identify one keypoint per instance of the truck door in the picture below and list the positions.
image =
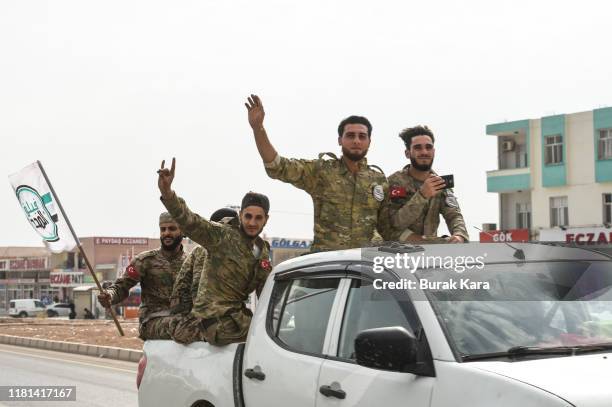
(285, 347)
(342, 382)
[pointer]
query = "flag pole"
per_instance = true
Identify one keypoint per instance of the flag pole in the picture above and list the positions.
(76, 239)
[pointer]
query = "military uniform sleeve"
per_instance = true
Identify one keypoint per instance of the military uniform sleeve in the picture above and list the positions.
(132, 275)
(383, 224)
(266, 269)
(206, 233)
(452, 215)
(181, 291)
(406, 213)
(299, 173)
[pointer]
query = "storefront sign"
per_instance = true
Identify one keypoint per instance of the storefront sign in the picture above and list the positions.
(31, 263)
(583, 236)
(65, 279)
(290, 243)
(510, 235)
(127, 241)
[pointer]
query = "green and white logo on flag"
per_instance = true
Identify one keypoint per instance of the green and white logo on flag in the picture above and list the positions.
(37, 211)
(39, 205)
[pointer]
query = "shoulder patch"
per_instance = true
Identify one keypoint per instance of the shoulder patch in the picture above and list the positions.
(397, 192)
(451, 200)
(132, 272)
(378, 192)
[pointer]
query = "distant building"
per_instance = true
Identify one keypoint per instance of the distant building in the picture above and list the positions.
(24, 273)
(554, 177)
(34, 272)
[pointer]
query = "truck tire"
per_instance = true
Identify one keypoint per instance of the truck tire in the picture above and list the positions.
(237, 376)
(51, 313)
(23, 314)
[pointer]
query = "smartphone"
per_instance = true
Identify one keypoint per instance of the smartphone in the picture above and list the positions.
(449, 180)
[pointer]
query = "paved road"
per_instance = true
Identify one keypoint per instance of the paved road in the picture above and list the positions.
(99, 382)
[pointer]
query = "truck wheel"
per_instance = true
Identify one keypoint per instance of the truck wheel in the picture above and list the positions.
(51, 313)
(23, 314)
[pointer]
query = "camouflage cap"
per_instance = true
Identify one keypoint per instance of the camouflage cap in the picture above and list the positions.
(165, 218)
(256, 199)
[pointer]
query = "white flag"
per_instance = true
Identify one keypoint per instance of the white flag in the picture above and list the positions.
(41, 208)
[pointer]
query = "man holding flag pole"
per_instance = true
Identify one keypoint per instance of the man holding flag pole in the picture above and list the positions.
(45, 213)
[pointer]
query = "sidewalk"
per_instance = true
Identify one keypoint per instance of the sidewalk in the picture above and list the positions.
(88, 337)
(129, 355)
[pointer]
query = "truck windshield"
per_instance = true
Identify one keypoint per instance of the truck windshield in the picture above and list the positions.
(541, 304)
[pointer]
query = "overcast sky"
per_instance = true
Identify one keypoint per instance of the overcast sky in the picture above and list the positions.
(101, 92)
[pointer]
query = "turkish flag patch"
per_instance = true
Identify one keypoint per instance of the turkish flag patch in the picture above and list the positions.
(132, 272)
(397, 192)
(265, 264)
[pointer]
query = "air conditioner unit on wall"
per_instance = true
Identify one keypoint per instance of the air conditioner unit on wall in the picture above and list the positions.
(508, 145)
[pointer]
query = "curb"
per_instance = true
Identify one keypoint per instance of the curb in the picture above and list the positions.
(110, 352)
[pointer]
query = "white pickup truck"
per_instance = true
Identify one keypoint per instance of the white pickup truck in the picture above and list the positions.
(412, 326)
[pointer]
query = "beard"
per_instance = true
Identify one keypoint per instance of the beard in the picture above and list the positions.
(245, 232)
(353, 156)
(172, 246)
(420, 167)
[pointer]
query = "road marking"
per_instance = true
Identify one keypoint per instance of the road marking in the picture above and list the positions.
(68, 360)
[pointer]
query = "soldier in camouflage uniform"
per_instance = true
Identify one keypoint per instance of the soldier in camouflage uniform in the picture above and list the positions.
(188, 279)
(155, 270)
(238, 264)
(348, 194)
(418, 196)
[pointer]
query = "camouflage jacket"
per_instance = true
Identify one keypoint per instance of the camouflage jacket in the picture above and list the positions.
(232, 271)
(188, 279)
(156, 271)
(346, 205)
(411, 212)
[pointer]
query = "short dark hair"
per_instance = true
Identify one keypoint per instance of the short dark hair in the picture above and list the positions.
(354, 120)
(409, 133)
(255, 199)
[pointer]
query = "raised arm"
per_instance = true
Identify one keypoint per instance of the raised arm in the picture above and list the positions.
(193, 225)
(256, 117)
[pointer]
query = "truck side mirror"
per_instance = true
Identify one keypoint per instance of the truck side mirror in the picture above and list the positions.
(392, 348)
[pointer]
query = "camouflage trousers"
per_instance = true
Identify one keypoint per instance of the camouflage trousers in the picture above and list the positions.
(157, 328)
(219, 331)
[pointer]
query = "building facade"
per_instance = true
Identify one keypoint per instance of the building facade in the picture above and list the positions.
(34, 272)
(554, 176)
(25, 273)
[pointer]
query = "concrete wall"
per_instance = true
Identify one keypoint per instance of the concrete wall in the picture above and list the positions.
(508, 212)
(584, 195)
(580, 148)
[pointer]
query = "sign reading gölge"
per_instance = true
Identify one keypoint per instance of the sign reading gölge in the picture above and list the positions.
(38, 204)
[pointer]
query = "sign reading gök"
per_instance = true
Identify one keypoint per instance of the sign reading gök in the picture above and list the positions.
(35, 208)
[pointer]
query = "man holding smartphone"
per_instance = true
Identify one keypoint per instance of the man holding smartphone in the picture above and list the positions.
(418, 196)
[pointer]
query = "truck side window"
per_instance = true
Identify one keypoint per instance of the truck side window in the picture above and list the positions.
(300, 312)
(367, 308)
